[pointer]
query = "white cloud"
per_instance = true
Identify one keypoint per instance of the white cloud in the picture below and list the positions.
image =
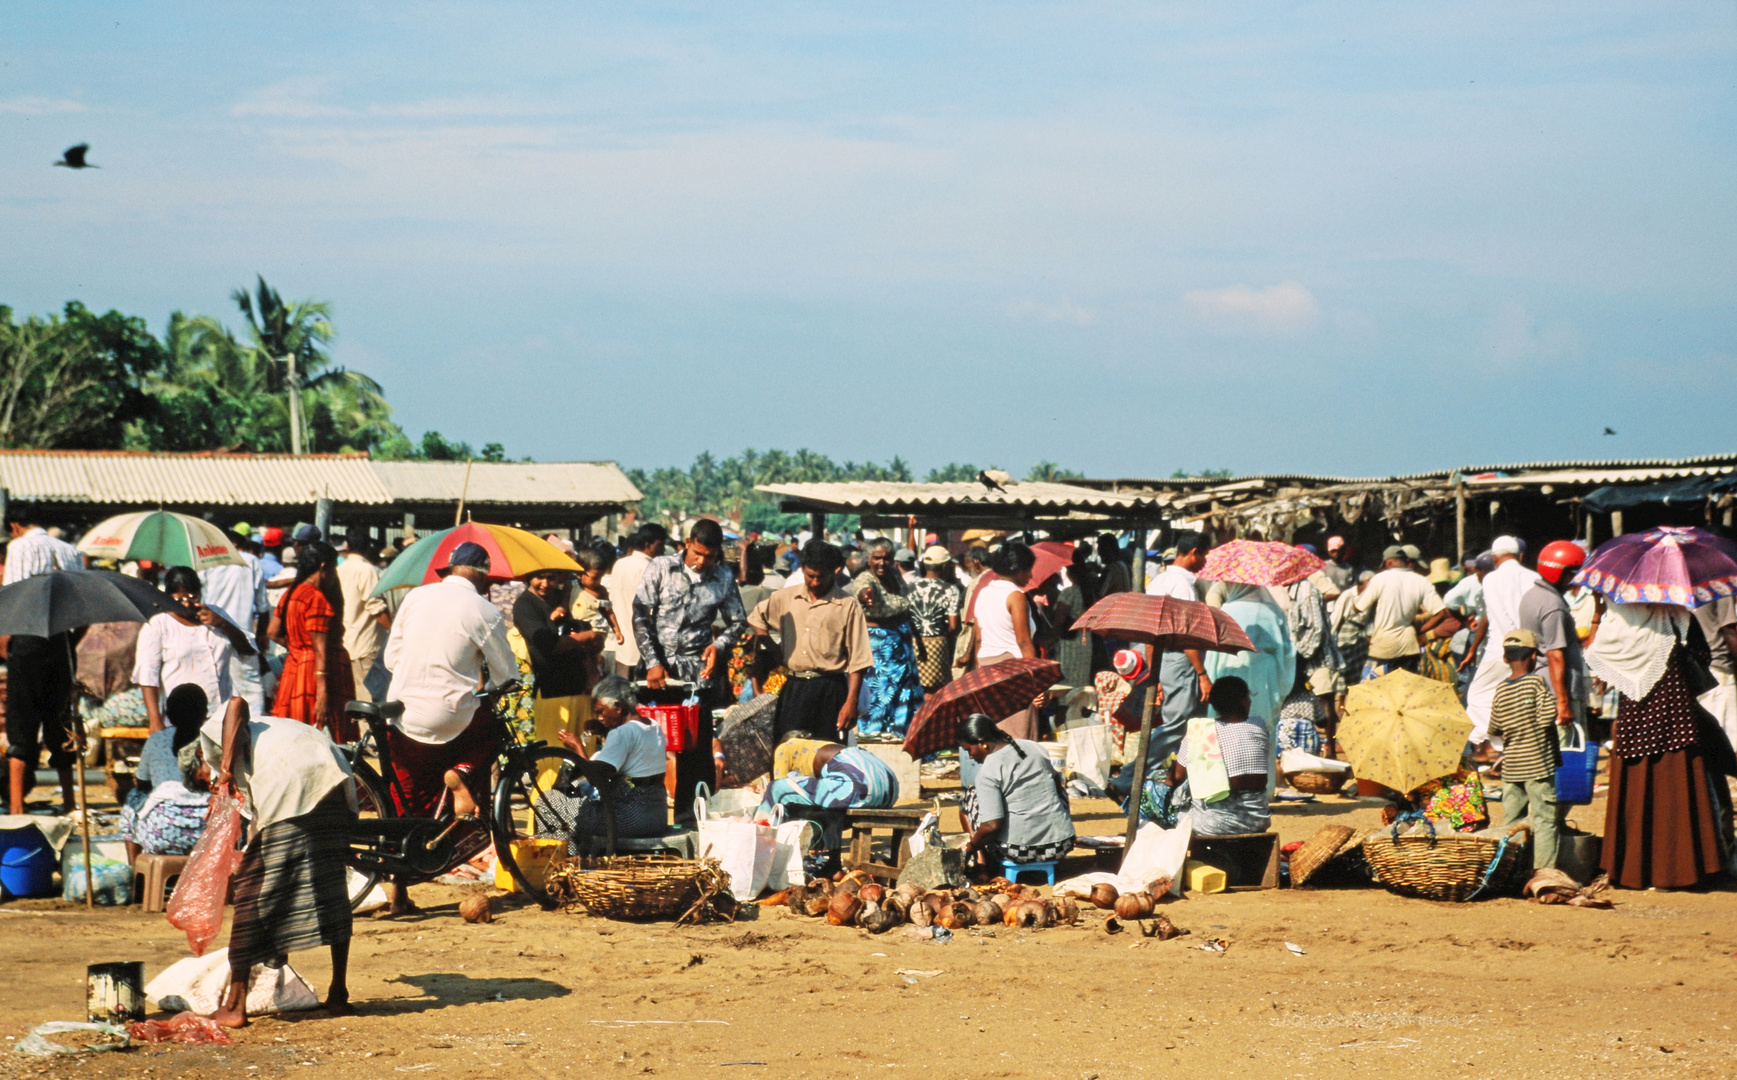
(1063, 311)
(32, 105)
(1286, 306)
(1515, 335)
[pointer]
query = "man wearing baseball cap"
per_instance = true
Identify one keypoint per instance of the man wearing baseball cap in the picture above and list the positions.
(1397, 598)
(441, 640)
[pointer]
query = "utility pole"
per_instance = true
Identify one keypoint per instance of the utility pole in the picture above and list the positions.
(295, 403)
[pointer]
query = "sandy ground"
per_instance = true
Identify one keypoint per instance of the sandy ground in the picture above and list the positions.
(1387, 986)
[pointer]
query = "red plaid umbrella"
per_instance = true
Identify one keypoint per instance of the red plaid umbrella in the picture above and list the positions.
(998, 690)
(1165, 623)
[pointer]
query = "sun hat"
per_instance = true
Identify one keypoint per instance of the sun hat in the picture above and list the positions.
(1412, 552)
(936, 555)
(1393, 551)
(1440, 570)
(1129, 664)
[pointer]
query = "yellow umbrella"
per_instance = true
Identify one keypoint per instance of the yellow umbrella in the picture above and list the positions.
(1403, 730)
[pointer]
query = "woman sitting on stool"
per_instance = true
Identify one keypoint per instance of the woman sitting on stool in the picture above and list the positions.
(628, 770)
(1017, 811)
(1243, 749)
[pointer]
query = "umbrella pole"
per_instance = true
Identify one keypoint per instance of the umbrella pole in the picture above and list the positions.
(76, 738)
(1137, 788)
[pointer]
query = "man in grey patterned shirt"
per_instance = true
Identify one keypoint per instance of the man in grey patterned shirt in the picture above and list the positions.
(678, 600)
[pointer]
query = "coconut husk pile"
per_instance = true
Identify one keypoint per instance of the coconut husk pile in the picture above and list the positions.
(1138, 908)
(856, 899)
(1549, 886)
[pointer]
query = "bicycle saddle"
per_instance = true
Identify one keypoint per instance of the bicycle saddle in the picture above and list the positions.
(368, 710)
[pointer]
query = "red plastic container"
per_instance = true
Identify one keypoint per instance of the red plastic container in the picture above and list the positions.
(680, 724)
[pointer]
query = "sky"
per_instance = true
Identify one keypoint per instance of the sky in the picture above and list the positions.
(1341, 238)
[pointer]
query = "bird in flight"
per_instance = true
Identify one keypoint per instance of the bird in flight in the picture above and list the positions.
(1610, 431)
(74, 157)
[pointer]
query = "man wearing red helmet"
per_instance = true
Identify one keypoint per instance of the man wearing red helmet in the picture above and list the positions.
(1544, 612)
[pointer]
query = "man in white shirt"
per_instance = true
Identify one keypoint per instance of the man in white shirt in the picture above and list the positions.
(365, 619)
(239, 593)
(1181, 672)
(444, 741)
(1397, 597)
(39, 688)
(1503, 588)
(643, 545)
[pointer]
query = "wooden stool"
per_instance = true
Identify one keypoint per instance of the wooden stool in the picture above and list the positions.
(901, 823)
(160, 873)
(1250, 861)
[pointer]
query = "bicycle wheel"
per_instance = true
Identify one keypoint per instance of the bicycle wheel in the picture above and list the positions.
(536, 798)
(372, 804)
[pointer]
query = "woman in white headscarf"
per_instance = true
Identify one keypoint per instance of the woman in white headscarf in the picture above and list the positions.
(1661, 823)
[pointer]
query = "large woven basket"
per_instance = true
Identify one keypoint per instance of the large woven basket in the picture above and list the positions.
(1448, 866)
(1310, 859)
(1317, 781)
(634, 886)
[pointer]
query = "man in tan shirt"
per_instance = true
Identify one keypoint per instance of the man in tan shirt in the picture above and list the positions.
(824, 636)
(365, 619)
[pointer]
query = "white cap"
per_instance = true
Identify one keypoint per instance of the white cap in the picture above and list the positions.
(1504, 545)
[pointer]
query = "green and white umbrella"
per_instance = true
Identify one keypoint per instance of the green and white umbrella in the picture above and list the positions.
(162, 537)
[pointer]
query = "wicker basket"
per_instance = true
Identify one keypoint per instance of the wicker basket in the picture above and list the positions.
(1448, 866)
(1316, 852)
(1317, 781)
(634, 886)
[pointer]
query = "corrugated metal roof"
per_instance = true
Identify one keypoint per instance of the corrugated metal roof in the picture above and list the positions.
(1603, 476)
(580, 482)
(209, 479)
(871, 495)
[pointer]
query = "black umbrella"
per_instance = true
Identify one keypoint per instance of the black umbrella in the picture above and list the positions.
(62, 600)
(746, 735)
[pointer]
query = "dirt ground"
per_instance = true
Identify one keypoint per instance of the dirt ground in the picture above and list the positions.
(1386, 986)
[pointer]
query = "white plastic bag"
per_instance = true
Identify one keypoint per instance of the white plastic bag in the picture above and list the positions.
(1089, 750)
(790, 845)
(743, 849)
(730, 802)
(198, 983)
(1157, 853)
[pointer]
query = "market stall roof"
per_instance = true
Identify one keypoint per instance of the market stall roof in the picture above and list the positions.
(581, 483)
(967, 504)
(1609, 473)
(126, 478)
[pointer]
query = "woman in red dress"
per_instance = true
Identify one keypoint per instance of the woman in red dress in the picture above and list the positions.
(316, 683)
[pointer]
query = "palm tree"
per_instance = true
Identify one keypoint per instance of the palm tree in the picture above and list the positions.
(292, 337)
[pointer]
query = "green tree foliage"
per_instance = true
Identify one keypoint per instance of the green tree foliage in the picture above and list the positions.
(1050, 472)
(74, 380)
(1203, 474)
(725, 487)
(953, 474)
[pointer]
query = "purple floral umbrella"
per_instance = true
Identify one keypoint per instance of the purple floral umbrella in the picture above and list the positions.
(1672, 564)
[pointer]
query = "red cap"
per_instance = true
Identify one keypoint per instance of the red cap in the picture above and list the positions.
(1559, 558)
(271, 536)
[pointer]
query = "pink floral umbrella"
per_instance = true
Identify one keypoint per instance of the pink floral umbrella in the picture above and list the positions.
(1259, 562)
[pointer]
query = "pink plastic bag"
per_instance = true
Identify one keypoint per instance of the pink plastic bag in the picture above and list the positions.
(189, 1029)
(196, 905)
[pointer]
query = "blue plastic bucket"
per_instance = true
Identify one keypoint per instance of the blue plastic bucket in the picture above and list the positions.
(27, 864)
(1579, 771)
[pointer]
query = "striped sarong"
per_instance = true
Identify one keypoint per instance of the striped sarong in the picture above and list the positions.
(292, 888)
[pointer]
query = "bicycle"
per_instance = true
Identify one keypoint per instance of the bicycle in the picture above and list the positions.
(514, 807)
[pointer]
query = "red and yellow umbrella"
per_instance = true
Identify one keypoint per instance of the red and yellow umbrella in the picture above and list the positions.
(513, 553)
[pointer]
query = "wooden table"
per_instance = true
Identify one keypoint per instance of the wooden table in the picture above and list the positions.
(862, 825)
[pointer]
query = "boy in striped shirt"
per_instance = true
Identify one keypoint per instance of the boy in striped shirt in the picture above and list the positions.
(1523, 715)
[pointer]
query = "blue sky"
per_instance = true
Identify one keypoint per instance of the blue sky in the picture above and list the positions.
(1322, 237)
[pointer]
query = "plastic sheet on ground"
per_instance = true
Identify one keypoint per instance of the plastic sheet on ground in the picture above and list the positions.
(1157, 853)
(188, 1028)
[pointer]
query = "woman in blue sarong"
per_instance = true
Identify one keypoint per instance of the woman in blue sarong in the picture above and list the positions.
(891, 692)
(810, 772)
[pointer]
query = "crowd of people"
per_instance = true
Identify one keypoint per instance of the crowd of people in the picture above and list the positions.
(852, 637)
